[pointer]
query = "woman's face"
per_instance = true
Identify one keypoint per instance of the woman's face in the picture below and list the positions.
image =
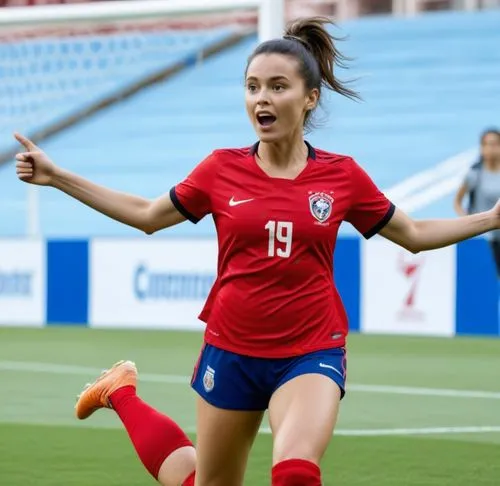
(490, 146)
(276, 98)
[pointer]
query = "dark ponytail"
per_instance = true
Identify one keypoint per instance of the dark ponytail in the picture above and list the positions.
(309, 42)
(313, 35)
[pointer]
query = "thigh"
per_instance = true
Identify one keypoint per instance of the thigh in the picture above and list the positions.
(303, 410)
(230, 408)
(302, 414)
(224, 440)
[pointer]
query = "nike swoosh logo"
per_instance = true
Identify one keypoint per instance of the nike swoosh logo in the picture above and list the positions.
(323, 365)
(232, 202)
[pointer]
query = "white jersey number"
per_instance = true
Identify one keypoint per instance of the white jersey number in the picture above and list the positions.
(282, 232)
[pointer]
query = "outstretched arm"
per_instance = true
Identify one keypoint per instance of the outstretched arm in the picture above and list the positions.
(35, 167)
(431, 234)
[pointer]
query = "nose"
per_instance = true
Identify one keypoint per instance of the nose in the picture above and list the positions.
(263, 97)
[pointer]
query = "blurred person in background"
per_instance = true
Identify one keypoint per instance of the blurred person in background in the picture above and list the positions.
(482, 186)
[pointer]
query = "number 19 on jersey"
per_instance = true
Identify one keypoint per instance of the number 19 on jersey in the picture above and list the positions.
(279, 232)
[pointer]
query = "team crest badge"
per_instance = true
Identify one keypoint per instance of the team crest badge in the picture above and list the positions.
(209, 379)
(320, 204)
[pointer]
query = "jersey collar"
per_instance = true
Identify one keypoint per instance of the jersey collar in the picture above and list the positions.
(311, 153)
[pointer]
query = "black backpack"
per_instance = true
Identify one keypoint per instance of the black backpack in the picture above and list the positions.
(477, 168)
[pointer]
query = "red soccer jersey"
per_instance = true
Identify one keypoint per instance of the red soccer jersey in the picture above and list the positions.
(275, 295)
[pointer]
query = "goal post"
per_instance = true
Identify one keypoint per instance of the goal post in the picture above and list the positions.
(60, 64)
(270, 12)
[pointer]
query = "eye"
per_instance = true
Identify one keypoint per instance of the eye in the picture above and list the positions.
(252, 88)
(278, 87)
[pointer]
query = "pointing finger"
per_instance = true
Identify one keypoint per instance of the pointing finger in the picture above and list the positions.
(28, 144)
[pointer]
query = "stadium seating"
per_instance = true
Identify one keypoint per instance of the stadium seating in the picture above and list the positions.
(430, 84)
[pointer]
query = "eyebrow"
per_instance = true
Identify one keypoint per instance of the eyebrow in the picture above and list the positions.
(274, 78)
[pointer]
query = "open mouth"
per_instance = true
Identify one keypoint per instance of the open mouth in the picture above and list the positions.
(266, 120)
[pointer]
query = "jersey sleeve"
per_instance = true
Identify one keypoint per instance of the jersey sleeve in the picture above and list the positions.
(370, 210)
(192, 196)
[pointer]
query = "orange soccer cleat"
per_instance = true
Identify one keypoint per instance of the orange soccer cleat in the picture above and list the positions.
(96, 395)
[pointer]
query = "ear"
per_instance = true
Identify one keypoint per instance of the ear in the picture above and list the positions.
(312, 99)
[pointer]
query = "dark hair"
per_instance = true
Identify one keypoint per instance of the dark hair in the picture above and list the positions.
(489, 131)
(308, 41)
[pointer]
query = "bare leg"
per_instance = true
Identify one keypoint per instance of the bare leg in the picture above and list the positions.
(224, 440)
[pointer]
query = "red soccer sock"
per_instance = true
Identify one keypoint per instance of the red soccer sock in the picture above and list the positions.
(296, 472)
(189, 480)
(154, 435)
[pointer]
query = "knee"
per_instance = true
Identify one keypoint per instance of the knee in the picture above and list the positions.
(296, 472)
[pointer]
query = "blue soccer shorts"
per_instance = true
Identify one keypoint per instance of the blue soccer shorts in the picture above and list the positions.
(235, 382)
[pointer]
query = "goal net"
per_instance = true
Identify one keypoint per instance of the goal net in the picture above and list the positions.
(60, 64)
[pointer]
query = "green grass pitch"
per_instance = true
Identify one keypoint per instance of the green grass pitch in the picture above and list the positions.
(419, 411)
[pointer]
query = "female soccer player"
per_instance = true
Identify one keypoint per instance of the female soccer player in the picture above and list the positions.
(276, 327)
(482, 184)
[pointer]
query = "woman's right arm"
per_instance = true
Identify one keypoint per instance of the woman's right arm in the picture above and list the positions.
(457, 202)
(35, 167)
(138, 212)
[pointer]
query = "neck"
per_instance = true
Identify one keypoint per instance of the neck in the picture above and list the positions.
(492, 164)
(283, 154)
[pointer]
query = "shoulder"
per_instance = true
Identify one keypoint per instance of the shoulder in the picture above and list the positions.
(475, 168)
(222, 158)
(224, 154)
(330, 158)
(473, 172)
(335, 161)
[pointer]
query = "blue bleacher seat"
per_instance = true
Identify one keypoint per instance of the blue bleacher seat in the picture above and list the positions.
(430, 84)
